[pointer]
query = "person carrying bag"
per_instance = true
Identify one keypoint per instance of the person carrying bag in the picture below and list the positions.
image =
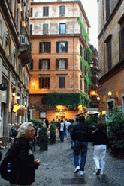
(18, 166)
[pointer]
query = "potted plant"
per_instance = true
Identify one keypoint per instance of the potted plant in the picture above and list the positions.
(115, 127)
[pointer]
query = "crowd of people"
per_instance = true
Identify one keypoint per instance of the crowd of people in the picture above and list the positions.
(20, 158)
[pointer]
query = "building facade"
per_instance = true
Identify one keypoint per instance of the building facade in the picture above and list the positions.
(94, 78)
(15, 54)
(60, 75)
(111, 54)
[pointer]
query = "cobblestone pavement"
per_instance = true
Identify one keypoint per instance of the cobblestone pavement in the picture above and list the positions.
(57, 169)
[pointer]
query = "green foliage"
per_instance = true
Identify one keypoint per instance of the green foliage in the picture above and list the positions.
(91, 121)
(115, 122)
(68, 99)
(87, 72)
(36, 122)
(89, 54)
(43, 138)
(84, 33)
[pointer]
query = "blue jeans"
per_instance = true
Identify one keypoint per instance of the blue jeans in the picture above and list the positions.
(61, 135)
(80, 152)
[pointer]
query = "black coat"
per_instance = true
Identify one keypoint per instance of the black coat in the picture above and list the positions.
(80, 132)
(100, 136)
(0, 155)
(25, 165)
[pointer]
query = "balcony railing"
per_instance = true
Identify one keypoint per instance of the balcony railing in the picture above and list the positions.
(24, 40)
(55, 1)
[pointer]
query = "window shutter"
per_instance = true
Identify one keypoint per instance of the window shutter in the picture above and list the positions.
(57, 64)
(40, 64)
(66, 46)
(62, 10)
(40, 82)
(48, 83)
(45, 11)
(45, 29)
(66, 64)
(61, 82)
(40, 47)
(31, 29)
(49, 47)
(57, 47)
(48, 64)
(31, 12)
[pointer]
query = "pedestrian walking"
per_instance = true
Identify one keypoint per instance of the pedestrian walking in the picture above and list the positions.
(47, 123)
(20, 161)
(62, 130)
(67, 124)
(100, 146)
(80, 137)
(43, 137)
(0, 151)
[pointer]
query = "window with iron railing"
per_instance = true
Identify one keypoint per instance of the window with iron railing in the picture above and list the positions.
(45, 11)
(62, 10)
(62, 28)
(45, 29)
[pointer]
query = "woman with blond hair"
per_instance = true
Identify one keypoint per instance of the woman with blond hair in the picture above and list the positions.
(22, 168)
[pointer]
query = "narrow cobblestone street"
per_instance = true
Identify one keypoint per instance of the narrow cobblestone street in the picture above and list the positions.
(57, 169)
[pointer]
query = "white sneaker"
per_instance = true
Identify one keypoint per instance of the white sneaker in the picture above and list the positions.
(77, 169)
(81, 173)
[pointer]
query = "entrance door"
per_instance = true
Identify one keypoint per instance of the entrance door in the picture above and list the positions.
(60, 115)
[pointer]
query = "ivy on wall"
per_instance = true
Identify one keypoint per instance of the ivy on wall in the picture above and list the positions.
(84, 33)
(85, 63)
(87, 72)
(67, 99)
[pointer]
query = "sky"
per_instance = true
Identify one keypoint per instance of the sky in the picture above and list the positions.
(90, 7)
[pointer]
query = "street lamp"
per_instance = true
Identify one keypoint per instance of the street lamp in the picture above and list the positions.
(33, 84)
(93, 93)
(98, 98)
(109, 93)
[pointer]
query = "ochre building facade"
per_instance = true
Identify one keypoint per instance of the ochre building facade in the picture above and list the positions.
(57, 46)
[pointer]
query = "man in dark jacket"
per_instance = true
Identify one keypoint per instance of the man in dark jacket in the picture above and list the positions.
(80, 137)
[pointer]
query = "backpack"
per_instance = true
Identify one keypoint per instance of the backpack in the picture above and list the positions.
(8, 167)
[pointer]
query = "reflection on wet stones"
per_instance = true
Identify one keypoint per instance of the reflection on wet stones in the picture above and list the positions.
(68, 181)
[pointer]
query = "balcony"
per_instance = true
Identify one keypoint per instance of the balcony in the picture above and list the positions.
(25, 50)
(24, 40)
